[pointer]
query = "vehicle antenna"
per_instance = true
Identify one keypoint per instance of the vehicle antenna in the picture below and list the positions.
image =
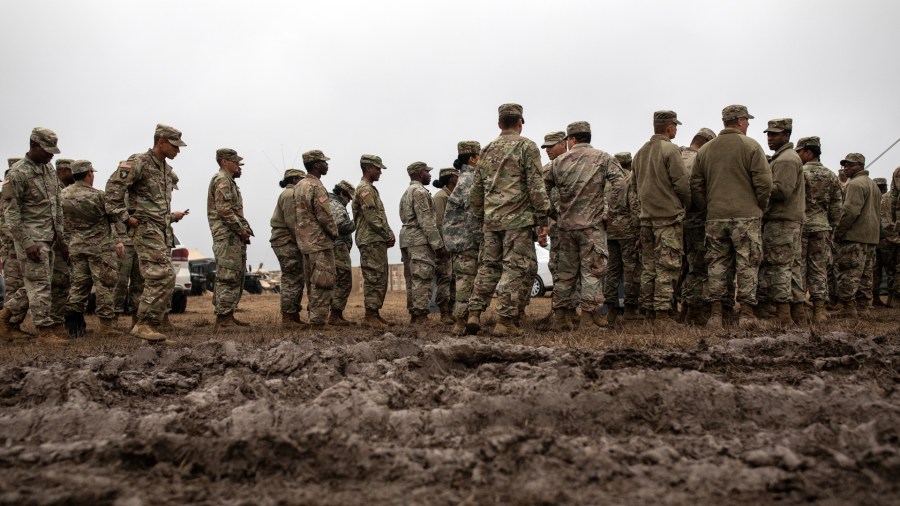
(883, 153)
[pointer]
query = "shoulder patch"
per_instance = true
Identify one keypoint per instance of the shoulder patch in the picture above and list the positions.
(323, 198)
(364, 193)
(124, 165)
(123, 173)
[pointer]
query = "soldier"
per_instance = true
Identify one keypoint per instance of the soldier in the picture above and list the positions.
(341, 195)
(92, 251)
(316, 232)
(843, 178)
(822, 214)
(443, 271)
(12, 269)
(886, 252)
(130, 284)
(284, 244)
(421, 245)
(554, 145)
(462, 231)
(895, 192)
(580, 176)
(61, 282)
(148, 184)
(783, 221)
(373, 238)
(622, 231)
(856, 237)
(731, 182)
(231, 234)
(663, 187)
(34, 215)
(693, 279)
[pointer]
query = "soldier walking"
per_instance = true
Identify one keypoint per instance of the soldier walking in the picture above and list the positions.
(284, 243)
(444, 291)
(373, 238)
(341, 195)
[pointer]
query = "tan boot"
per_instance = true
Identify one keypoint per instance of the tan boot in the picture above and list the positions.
(291, 321)
(715, 317)
(505, 328)
(632, 313)
(373, 320)
(574, 320)
(459, 328)
(748, 319)
(336, 318)
(418, 319)
(54, 335)
(845, 309)
(11, 331)
(143, 330)
(108, 328)
(592, 320)
(473, 322)
(799, 314)
(559, 322)
(446, 315)
(820, 314)
(382, 320)
(764, 311)
(783, 314)
(862, 308)
(693, 315)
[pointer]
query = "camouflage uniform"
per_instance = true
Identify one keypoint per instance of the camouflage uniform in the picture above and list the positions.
(463, 233)
(444, 290)
(857, 236)
(12, 270)
(129, 284)
(373, 233)
(225, 213)
(284, 244)
(91, 246)
(887, 250)
(420, 241)
(622, 230)
(693, 286)
(823, 212)
(316, 232)
(342, 245)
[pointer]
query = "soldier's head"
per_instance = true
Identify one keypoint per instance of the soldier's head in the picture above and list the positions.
(64, 171)
(419, 171)
(447, 178)
(229, 161)
(554, 144)
(467, 154)
(703, 136)
(809, 149)
(882, 184)
(291, 176)
(577, 133)
(778, 132)
(371, 166)
(42, 145)
(344, 190)
(316, 162)
(736, 116)
(511, 117)
(665, 123)
(167, 141)
(82, 170)
(853, 164)
(624, 159)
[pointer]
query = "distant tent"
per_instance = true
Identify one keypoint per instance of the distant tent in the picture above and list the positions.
(195, 254)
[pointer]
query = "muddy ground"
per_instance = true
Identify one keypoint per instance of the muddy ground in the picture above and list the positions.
(415, 416)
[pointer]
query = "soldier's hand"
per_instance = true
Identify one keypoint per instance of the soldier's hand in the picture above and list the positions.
(178, 215)
(33, 252)
(132, 222)
(245, 236)
(391, 242)
(120, 249)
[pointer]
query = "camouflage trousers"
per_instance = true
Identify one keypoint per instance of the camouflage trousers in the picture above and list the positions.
(291, 261)
(444, 286)
(59, 285)
(506, 258)
(35, 294)
(885, 268)
(465, 266)
(693, 288)
(129, 283)
(373, 263)
(97, 270)
(854, 262)
(155, 261)
(319, 272)
(553, 265)
(815, 257)
(343, 279)
(623, 266)
(781, 248)
(733, 249)
(12, 276)
(662, 245)
(231, 257)
(418, 269)
(582, 256)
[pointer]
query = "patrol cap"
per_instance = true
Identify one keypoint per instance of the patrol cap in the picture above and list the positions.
(81, 167)
(12, 161)
(706, 133)
(734, 112)
(509, 110)
(172, 134)
(228, 154)
(293, 173)
(64, 163)
(665, 117)
(552, 139)
(853, 158)
(624, 158)
(372, 160)
(880, 181)
(779, 125)
(416, 167)
(448, 172)
(579, 127)
(347, 187)
(806, 142)
(46, 139)
(314, 155)
(468, 148)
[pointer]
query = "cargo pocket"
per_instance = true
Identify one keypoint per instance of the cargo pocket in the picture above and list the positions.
(322, 278)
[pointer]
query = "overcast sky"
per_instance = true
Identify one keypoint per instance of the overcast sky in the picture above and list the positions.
(408, 79)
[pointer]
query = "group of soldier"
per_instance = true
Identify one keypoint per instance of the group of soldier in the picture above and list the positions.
(710, 234)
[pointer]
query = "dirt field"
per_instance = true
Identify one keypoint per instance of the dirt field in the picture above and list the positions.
(415, 416)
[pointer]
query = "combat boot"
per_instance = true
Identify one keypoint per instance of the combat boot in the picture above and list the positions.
(862, 308)
(783, 314)
(52, 335)
(373, 320)
(612, 314)
(459, 328)
(336, 318)
(143, 330)
(473, 322)
(446, 315)
(820, 314)
(592, 320)
(224, 322)
(747, 318)
(291, 321)
(319, 326)
(418, 319)
(11, 331)
(799, 314)
(560, 321)
(108, 328)
(663, 318)
(382, 320)
(764, 311)
(715, 317)
(845, 309)
(632, 313)
(693, 315)
(505, 328)
(890, 301)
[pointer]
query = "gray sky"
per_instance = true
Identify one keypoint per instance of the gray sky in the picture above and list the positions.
(408, 79)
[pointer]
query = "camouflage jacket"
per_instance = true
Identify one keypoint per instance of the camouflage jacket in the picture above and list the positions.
(119, 228)
(417, 215)
(32, 205)
(580, 175)
(693, 218)
(368, 213)
(788, 199)
(824, 198)
(553, 194)
(345, 224)
(315, 230)
(225, 207)
(284, 219)
(6, 238)
(888, 232)
(462, 230)
(507, 193)
(440, 206)
(895, 191)
(660, 179)
(148, 183)
(87, 221)
(623, 209)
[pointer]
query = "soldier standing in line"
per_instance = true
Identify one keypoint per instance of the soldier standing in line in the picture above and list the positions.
(463, 231)
(373, 238)
(231, 234)
(284, 244)
(510, 198)
(622, 231)
(580, 175)
(12, 269)
(130, 284)
(34, 216)
(342, 194)
(316, 232)
(421, 245)
(886, 252)
(856, 237)
(731, 182)
(822, 214)
(554, 145)
(61, 281)
(445, 291)
(693, 280)
(895, 193)
(663, 188)
(148, 184)
(92, 251)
